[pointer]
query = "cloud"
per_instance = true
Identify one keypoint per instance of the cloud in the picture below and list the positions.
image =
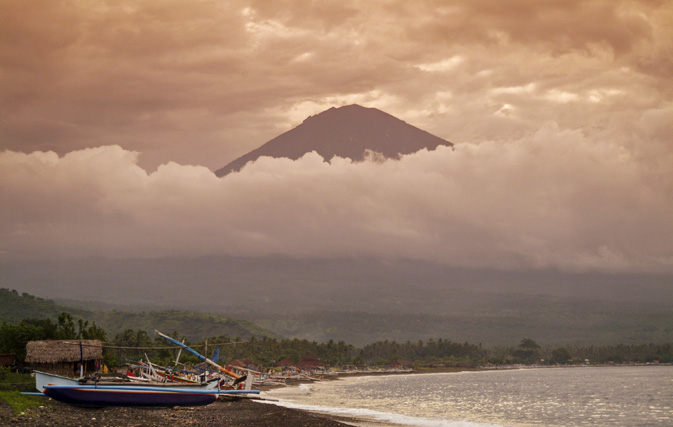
(197, 82)
(561, 113)
(552, 199)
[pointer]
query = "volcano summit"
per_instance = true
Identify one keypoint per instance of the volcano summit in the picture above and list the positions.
(345, 132)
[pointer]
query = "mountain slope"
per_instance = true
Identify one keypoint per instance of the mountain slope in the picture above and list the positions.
(345, 132)
(15, 307)
(364, 300)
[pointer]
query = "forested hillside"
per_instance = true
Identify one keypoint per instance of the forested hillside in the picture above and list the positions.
(194, 326)
(15, 307)
(129, 336)
(362, 300)
(574, 325)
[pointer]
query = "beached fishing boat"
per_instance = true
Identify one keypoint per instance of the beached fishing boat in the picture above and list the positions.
(97, 395)
(124, 395)
(43, 379)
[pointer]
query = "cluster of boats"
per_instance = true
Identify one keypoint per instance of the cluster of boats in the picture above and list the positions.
(146, 384)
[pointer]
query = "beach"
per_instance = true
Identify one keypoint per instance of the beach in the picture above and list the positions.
(239, 413)
(582, 396)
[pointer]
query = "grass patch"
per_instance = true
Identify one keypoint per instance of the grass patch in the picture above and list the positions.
(7, 377)
(13, 381)
(21, 402)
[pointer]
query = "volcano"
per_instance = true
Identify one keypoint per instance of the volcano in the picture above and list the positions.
(346, 132)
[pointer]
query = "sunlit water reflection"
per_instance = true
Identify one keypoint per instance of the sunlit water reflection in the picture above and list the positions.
(583, 396)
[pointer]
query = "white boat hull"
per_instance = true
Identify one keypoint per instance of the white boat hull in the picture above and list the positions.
(42, 379)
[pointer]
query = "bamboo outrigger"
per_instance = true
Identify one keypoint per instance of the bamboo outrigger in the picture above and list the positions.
(237, 378)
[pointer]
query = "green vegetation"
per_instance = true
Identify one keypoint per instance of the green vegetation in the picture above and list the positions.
(492, 320)
(9, 377)
(20, 402)
(192, 325)
(265, 352)
(527, 351)
(10, 385)
(430, 352)
(13, 338)
(132, 338)
(587, 324)
(560, 356)
(16, 308)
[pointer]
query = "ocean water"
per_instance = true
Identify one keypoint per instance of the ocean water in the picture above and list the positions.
(551, 397)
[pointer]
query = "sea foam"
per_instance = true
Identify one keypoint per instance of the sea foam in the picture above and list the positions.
(388, 417)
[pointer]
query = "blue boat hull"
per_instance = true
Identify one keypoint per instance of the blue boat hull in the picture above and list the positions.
(128, 396)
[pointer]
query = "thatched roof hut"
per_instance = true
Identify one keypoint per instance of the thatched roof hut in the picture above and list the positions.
(63, 356)
(54, 351)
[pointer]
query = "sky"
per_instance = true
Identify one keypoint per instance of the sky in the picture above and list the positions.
(114, 115)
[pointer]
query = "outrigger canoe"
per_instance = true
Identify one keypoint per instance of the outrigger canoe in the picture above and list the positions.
(97, 395)
(89, 395)
(43, 379)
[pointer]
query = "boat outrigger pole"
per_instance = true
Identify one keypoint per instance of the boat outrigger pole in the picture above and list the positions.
(197, 354)
(179, 353)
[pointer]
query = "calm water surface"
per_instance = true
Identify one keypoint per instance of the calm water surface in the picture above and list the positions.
(554, 397)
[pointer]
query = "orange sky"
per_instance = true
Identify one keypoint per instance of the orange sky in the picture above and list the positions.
(562, 109)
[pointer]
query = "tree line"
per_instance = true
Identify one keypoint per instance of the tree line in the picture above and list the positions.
(137, 344)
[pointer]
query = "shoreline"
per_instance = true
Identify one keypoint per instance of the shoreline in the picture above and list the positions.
(239, 412)
(348, 420)
(357, 421)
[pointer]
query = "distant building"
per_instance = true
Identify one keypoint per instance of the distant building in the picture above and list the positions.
(401, 364)
(246, 364)
(8, 360)
(63, 357)
(251, 365)
(236, 364)
(311, 362)
(284, 362)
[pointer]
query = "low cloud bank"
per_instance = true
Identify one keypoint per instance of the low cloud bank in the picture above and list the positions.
(550, 199)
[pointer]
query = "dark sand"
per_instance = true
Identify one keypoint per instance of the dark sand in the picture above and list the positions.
(240, 413)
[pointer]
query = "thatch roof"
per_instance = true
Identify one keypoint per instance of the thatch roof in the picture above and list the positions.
(54, 351)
